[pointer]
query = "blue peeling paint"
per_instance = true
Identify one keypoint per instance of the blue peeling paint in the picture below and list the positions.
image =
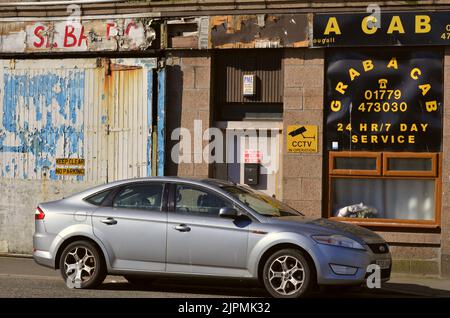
(43, 92)
(149, 120)
(161, 121)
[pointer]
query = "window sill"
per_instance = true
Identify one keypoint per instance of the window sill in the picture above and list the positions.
(389, 222)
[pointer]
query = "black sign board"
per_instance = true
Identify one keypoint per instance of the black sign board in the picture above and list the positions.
(388, 100)
(381, 29)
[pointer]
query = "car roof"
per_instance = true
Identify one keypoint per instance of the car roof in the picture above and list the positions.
(201, 181)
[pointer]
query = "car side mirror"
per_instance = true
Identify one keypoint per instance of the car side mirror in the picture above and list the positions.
(228, 212)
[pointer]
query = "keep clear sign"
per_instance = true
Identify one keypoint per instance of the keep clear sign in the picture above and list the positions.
(301, 138)
(384, 100)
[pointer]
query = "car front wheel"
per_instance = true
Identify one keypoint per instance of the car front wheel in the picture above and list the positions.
(82, 265)
(287, 274)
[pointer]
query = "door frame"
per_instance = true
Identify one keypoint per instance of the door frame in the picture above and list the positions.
(259, 125)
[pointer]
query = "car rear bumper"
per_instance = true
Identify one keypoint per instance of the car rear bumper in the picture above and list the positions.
(44, 258)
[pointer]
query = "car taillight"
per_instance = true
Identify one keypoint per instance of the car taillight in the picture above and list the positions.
(39, 214)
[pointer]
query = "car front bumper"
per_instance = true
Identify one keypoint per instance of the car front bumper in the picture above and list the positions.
(325, 255)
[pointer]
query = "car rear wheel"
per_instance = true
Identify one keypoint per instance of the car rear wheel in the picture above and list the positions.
(82, 266)
(287, 274)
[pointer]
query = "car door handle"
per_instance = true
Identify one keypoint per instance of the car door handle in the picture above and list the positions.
(182, 228)
(109, 221)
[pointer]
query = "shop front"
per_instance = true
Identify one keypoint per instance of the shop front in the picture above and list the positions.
(361, 110)
(384, 149)
(341, 115)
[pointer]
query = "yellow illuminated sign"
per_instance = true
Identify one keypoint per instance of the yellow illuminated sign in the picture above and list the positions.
(301, 138)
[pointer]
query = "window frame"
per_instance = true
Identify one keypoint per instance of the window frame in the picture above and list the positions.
(384, 173)
(172, 201)
(118, 190)
(354, 172)
(410, 155)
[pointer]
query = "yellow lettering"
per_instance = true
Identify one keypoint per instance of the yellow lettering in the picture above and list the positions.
(332, 27)
(368, 65)
(411, 139)
(415, 72)
(355, 139)
(365, 25)
(353, 73)
(336, 105)
(401, 139)
(425, 88)
(395, 25)
(393, 63)
(431, 106)
(374, 139)
(424, 127)
(422, 24)
(341, 87)
(362, 127)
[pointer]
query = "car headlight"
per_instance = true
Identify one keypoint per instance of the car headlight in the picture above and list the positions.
(337, 240)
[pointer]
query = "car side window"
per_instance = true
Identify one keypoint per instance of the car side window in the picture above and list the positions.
(145, 196)
(98, 198)
(193, 200)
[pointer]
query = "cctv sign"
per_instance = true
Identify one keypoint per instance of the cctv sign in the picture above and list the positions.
(301, 138)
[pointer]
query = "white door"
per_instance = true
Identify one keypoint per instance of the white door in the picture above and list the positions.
(262, 146)
(128, 99)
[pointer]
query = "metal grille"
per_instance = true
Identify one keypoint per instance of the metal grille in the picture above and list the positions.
(232, 65)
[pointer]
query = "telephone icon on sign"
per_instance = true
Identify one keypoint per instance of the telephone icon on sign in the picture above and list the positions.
(383, 83)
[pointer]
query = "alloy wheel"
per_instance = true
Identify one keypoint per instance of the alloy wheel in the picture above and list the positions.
(79, 264)
(286, 275)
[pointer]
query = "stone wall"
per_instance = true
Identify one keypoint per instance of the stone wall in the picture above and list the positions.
(303, 105)
(445, 214)
(188, 99)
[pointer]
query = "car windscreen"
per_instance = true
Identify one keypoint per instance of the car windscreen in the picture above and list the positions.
(260, 202)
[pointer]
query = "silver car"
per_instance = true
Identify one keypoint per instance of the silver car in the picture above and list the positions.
(144, 228)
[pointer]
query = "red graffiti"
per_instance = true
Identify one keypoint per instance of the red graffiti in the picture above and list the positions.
(72, 39)
(72, 36)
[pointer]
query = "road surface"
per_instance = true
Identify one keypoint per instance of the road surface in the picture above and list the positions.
(22, 277)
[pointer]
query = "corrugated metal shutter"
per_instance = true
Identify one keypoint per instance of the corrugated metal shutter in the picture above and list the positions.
(232, 65)
(128, 91)
(76, 108)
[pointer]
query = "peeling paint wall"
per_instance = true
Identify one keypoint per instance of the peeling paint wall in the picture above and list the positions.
(259, 31)
(41, 112)
(98, 110)
(18, 201)
(78, 35)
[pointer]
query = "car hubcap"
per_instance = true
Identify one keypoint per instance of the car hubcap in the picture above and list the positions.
(79, 264)
(286, 275)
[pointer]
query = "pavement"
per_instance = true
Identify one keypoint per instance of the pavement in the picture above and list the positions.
(21, 277)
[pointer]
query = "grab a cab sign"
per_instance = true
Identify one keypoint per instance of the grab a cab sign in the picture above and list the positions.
(301, 138)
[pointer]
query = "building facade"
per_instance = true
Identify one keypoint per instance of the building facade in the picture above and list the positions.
(340, 110)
